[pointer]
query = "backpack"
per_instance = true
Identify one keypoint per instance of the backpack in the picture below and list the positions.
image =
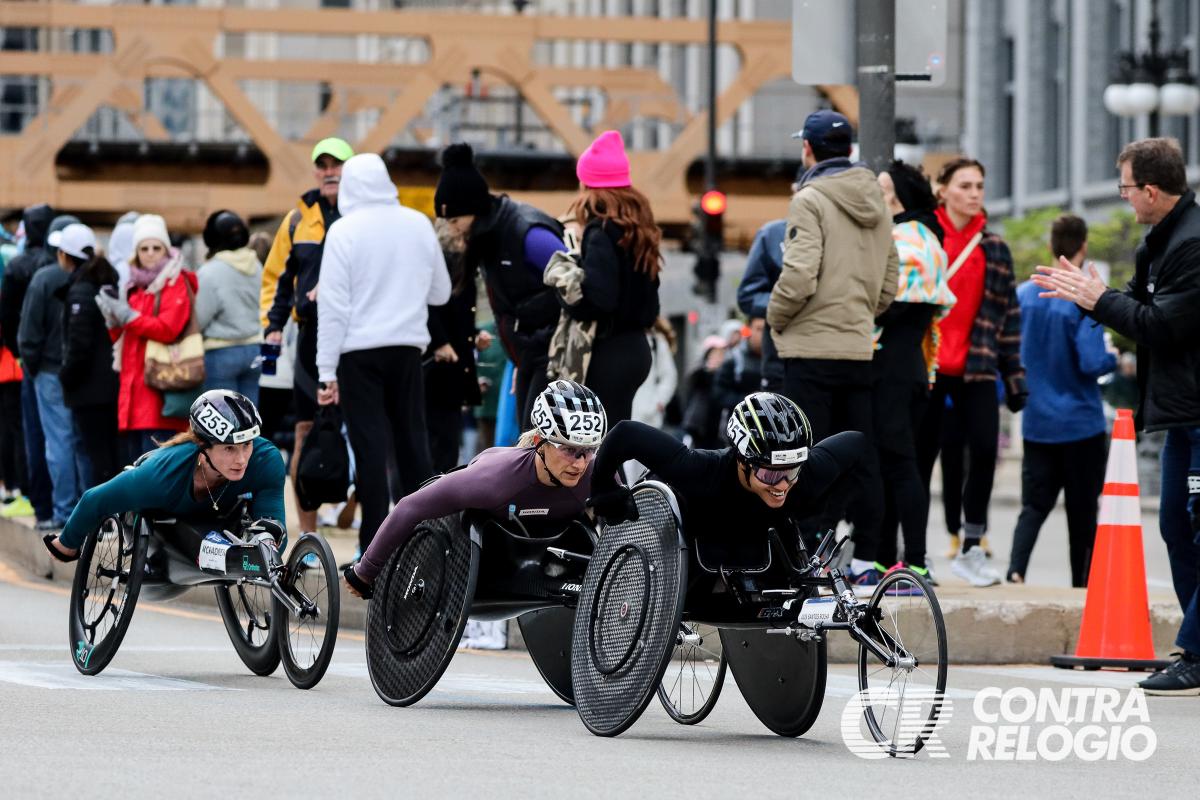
(323, 471)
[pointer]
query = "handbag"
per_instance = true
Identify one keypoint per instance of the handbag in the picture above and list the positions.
(323, 469)
(179, 365)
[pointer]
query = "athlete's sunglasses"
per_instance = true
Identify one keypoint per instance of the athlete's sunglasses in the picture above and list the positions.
(575, 453)
(773, 477)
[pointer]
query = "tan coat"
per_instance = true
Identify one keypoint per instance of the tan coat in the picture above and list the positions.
(839, 269)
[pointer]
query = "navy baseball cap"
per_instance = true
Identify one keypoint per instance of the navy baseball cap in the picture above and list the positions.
(826, 130)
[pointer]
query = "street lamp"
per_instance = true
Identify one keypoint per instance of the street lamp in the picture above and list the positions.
(1153, 82)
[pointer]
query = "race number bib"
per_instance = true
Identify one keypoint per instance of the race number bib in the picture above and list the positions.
(211, 420)
(583, 427)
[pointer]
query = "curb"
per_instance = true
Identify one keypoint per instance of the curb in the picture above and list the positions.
(1024, 625)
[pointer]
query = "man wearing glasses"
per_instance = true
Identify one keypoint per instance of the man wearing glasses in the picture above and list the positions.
(1160, 310)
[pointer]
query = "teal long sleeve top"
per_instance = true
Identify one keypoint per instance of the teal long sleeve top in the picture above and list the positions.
(163, 482)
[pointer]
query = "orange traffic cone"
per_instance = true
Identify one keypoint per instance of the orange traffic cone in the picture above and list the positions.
(1115, 631)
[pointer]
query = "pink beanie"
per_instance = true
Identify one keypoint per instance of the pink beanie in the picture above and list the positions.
(604, 164)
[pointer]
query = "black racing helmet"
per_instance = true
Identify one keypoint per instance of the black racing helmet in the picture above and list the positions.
(769, 430)
(220, 416)
(569, 413)
(225, 230)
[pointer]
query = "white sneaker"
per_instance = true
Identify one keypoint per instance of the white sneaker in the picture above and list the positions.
(973, 567)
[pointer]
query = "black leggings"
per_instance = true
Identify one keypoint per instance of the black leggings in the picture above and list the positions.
(619, 365)
(12, 438)
(977, 410)
(899, 408)
(98, 432)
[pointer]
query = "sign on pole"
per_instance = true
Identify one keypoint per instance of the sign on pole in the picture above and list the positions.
(823, 41)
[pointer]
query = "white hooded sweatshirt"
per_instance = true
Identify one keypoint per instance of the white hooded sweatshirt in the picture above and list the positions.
(381, 269)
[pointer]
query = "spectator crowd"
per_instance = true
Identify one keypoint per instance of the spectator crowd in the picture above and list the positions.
(883, 303)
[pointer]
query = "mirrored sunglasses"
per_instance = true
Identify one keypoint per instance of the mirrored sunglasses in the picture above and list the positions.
(773, 477)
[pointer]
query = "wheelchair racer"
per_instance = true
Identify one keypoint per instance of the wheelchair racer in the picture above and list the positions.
(546, 477)
(200, 473)
(771, 476)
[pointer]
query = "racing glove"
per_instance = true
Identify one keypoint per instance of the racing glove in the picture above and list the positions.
(614, 506)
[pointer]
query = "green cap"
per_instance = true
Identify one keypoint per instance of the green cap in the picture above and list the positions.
(333, 146)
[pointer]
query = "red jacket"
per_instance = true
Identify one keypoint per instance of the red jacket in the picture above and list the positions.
(139, 407)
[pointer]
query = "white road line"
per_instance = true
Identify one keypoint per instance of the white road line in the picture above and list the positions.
(473, 683)
(1115, 680)
(128, 648)
(64, 676)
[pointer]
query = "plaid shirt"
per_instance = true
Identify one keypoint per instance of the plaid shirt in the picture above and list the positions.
(996, 335)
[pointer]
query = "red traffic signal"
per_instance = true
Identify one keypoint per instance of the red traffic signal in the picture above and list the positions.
(713, 202)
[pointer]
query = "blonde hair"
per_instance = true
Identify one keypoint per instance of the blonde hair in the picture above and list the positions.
(183, 437)
(527, 438)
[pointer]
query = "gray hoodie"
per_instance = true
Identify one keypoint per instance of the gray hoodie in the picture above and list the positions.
(227, 302)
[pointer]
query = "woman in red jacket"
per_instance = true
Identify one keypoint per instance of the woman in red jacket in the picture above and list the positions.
(152, 305)
(980, 342)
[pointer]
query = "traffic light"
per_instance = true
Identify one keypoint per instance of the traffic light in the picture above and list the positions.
(712, 207)
(708, 236)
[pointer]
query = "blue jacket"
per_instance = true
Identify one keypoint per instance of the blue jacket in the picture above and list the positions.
(763, 266)
(1063, 353)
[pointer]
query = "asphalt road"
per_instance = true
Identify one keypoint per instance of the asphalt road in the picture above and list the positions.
(177, 715)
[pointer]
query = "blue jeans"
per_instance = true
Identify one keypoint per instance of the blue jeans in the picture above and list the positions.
(69, 467)
(235, 368)
(1180, 454)
(35, 452)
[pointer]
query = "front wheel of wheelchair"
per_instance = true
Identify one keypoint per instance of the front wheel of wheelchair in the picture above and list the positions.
(692, 683)
(104, 592)
(248, 617)
(903, 700)
(306, 641)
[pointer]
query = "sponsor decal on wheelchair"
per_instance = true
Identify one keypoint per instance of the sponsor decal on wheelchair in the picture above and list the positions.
(574, 588)
(250, 566)
(212, 552)
(1086, 723)
(533, 512)
(83, 653)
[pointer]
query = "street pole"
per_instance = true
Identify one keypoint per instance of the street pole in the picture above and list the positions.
(1157, 64)
(876, 57)
(710, 159)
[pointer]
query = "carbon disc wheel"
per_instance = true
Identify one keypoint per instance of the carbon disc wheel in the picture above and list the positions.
(419, 609)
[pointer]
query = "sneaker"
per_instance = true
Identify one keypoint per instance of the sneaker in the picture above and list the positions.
(49, 525)
(19, 507)
(901, 589)
(1182, 678)
(972, 566)
(925, 572)
(952, 551)
(987, 548)
(1015, 577)
(864, 583)
(311, 561)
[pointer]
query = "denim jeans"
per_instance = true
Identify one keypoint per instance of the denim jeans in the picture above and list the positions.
(35, 452)
(1181, 453)
(69, 468)
(235, 368)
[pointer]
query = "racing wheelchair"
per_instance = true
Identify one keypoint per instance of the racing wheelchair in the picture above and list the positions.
(652, 599)
(273, 610)
(466, 564)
